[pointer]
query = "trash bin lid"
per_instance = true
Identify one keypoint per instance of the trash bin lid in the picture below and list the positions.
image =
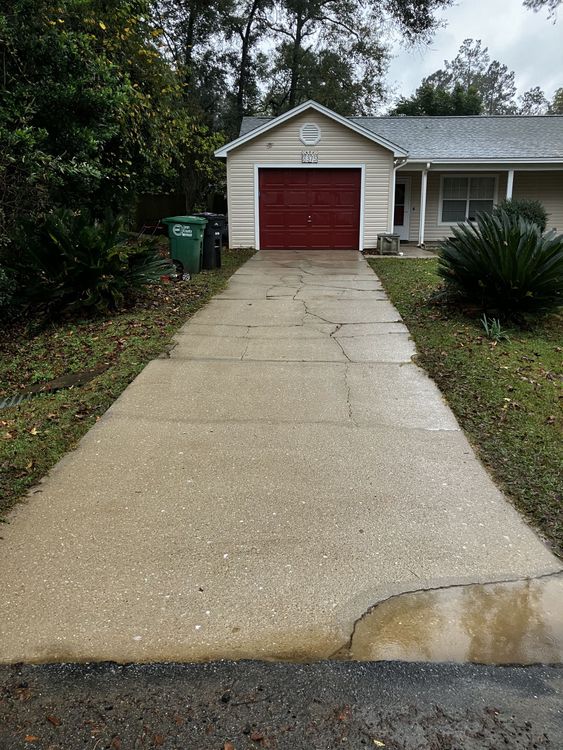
(184, 220)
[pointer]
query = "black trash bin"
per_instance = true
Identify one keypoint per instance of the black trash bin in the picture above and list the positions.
(213, 239)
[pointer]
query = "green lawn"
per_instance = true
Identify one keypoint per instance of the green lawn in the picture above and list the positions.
(506, 396)
(35, 434)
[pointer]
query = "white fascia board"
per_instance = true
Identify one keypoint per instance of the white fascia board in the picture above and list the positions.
(466, 163)
(396, 150)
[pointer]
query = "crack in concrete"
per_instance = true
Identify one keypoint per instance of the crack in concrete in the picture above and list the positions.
(315, 315)
(243, 355)
(349, 396)
(341, 347)
(343, 652)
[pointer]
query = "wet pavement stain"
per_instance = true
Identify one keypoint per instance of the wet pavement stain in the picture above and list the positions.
(501, 623)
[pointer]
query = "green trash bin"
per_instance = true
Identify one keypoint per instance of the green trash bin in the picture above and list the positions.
(186, 241)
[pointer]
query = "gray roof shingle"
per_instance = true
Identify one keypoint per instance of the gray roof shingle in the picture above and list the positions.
(465, 138)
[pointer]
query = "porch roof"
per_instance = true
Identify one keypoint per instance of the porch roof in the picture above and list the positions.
(472, 138)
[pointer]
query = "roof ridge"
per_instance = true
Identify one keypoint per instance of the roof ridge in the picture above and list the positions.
(451, 117)
(428, 117)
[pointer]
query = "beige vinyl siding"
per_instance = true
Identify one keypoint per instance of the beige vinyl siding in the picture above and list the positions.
(546, 187)
(281, 145)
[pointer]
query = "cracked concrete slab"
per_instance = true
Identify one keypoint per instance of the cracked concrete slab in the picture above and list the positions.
(509, 622)
(204, 329)
(320, 283)
(364, 311)
(353, 330)
(378, 348)
(245, 292)
(227, 507)
(259, 312)
(312, 330)
(320, 349)
(312, 293)
(208, 347)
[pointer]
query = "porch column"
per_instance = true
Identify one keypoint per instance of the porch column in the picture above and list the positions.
(392, 212)
(423, 185)
(509, 184)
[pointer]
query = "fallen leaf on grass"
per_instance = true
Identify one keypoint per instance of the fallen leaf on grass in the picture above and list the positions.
(31, 738)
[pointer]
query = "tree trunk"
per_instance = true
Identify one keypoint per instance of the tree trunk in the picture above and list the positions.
(189, 44)
(296, 59)
(244, 63)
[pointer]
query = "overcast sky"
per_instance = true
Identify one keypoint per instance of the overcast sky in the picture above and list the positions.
(529, 43)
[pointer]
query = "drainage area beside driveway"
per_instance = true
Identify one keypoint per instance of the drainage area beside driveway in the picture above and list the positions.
(252, 494)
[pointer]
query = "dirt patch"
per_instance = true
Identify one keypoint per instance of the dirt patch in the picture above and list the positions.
(228, 706)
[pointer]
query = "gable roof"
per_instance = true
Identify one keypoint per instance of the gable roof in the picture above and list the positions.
(534, 138)
(271, 122)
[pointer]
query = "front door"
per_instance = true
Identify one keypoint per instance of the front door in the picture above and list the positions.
(402, 207)
(304, 208)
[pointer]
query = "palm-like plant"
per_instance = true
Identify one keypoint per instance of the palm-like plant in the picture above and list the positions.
(71, 263)
(504, 262)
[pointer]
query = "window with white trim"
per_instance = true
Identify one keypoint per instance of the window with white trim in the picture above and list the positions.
(464, 196)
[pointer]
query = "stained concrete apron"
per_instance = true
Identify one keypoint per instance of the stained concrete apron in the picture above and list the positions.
(253, 494)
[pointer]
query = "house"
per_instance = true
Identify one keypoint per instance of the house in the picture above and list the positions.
(311, 178)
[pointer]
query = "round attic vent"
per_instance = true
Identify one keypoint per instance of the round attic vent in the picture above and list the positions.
(310, 134)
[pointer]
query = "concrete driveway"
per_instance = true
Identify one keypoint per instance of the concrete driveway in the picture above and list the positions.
(254, 493)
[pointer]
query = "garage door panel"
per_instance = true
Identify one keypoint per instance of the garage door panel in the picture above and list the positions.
(310, 208)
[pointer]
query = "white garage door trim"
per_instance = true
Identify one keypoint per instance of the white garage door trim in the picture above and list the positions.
(257, 167)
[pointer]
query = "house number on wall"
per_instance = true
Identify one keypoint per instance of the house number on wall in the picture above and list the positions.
(309, 157)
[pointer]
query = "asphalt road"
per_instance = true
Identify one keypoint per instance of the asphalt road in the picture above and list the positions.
(234, 706)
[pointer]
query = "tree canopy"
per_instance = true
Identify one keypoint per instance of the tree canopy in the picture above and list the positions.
(433, 99)
(473, 84)
(100, 101)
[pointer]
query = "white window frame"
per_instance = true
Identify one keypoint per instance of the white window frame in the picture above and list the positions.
(467, 175)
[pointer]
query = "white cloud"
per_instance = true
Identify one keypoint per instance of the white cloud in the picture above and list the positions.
(528, 43)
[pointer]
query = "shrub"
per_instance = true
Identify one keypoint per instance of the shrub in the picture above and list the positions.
(529, 210)
(505, 263)
(71, 264)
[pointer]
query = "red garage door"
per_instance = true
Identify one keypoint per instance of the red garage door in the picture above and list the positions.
(310, 208)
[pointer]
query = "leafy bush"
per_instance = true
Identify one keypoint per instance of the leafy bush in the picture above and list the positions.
(503, 262)
(72, 264)
(528, 210)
